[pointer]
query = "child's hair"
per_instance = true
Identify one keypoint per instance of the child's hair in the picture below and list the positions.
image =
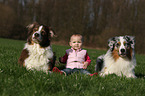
(76, 35)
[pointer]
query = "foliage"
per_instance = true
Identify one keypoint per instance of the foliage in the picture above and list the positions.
(17, 81)
(96, 20)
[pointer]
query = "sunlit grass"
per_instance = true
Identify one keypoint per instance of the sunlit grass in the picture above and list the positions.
(17, 81)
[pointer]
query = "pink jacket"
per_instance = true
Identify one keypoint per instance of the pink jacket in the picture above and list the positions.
(75, 59)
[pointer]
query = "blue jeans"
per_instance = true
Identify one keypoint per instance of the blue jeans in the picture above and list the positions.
(68, 71)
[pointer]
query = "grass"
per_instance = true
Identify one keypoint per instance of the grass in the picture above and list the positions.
(17, 81)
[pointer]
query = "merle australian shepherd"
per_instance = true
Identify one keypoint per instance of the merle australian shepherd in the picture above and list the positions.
(37, 53)
(119, 59)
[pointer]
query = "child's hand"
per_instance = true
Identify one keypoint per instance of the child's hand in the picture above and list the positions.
(85, 65)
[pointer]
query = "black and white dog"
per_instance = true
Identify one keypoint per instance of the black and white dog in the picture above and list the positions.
(119, 59)
(37, 53)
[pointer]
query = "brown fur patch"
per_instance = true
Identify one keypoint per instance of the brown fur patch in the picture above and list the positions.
(23, 56)
(115, 54)
(129, 53)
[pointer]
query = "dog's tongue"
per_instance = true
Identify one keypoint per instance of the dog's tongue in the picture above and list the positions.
(122, 55)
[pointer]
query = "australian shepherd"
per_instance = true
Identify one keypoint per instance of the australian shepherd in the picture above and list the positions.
(119, 59)
(37, 53)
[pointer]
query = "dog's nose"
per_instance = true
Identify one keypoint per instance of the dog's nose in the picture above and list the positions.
(36, 35)
(122, 50)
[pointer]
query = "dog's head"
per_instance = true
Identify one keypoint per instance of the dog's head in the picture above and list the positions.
(39, 34)
(122, 44)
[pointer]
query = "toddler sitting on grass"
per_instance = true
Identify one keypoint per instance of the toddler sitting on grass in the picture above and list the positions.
(76, 58)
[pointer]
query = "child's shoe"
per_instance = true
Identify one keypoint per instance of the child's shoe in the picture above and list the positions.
(56, 70)
(93, 74)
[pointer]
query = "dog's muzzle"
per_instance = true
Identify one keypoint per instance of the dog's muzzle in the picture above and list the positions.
(36, 37)
(122, 53)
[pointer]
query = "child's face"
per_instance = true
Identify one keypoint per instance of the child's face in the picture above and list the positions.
(76, 42)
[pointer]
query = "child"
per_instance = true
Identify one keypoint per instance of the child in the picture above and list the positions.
(76, 58)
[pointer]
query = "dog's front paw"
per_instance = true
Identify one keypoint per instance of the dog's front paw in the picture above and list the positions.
(131, 76)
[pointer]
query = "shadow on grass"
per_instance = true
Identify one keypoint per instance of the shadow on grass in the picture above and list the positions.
(139, 75)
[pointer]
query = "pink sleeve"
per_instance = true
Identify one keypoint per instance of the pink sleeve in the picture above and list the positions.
(87, 58)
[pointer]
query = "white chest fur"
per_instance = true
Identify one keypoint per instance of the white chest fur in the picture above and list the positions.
(120, 67)
(38, 57)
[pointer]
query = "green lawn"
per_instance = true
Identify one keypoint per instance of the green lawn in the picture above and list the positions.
(17, 81)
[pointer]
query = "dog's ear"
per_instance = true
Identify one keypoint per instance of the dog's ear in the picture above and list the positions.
(52, 32)
(111, 43)
(130, 40)
(30, 26)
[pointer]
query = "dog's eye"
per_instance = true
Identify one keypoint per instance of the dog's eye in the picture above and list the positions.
(118, 44)
(127, 44)
(43, 33)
